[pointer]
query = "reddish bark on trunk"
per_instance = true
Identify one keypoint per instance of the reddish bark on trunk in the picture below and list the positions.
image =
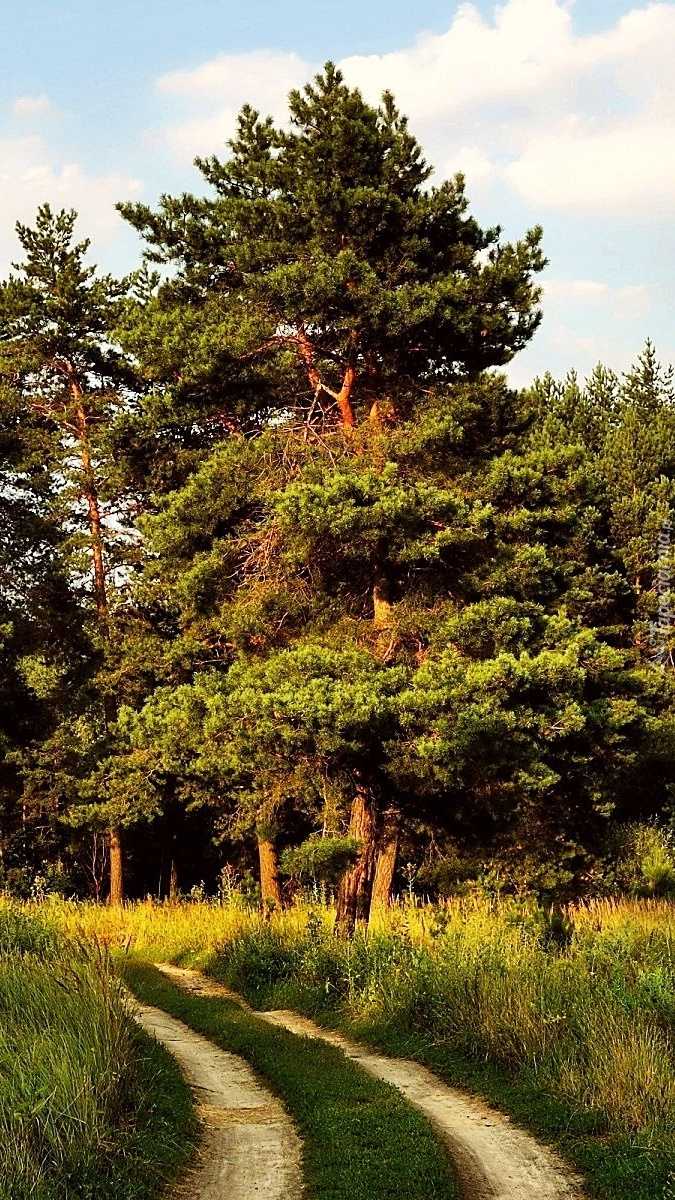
(382, 606)
(356, 887)
(343, 397)
(307, 355)
(385, 863)
(116, 867)
(270, 888)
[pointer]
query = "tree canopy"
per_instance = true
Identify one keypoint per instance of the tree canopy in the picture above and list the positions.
(335, 576)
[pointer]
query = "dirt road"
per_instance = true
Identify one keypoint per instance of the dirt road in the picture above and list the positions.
(494, 1159)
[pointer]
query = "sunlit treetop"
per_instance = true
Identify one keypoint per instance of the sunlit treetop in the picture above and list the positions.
(325, 269)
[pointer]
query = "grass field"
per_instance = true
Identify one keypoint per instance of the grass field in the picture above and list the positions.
(568, 1022)
(90, 1109)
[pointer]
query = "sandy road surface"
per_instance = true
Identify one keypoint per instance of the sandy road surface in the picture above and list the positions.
(250, 1149)
(494, 1159)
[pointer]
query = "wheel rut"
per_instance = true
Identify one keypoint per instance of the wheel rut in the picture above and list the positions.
(250, 1147)
(493, 1159)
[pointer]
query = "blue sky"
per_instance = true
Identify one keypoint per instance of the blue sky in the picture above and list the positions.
(558, 113)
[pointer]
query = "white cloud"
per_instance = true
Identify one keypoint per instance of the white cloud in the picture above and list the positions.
(29, 177)
(573, 290)
(185, 140)
(587, 321)
(629, 302)
(473, 164)
(629, 168)
(214, 92)
(267, 74)
(565, 121)
(27, 108)
(473, 62)
(634, 302)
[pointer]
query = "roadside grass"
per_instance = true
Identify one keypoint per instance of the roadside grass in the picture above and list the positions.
(566, 1022)
(573, 1040)
(614, 1166)
(90, 1108)
(362, 1140)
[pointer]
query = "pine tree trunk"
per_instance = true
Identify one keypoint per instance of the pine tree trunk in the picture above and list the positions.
(168, 869)
(382, 589)
(170, 829)
(385, 863)
(116, 867)
(343, 398)
(356, 887)
(90, 493)
(270, 888)
(173, 880)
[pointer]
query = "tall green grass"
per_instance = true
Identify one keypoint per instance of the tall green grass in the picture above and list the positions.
(78, 1118)
(169, 931)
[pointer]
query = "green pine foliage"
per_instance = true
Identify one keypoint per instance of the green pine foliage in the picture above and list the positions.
(323, 242)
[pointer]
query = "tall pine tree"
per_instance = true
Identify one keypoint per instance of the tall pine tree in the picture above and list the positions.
(64, 379)
(330, 302)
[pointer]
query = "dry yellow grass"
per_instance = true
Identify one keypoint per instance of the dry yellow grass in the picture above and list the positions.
(584, 1004)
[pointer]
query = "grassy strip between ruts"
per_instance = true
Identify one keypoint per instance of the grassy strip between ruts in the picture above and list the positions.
(614, 1167)
(569, 1029)
(362, 1140)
